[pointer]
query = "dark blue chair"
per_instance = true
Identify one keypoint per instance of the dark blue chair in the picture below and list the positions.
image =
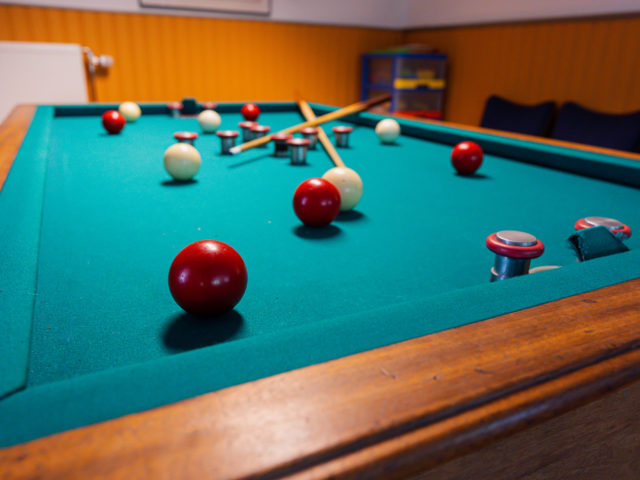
(502, 114)
(578, 124)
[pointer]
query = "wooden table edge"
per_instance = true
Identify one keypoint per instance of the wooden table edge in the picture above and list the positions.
(19, 461)
(12, 132)
(419, 450)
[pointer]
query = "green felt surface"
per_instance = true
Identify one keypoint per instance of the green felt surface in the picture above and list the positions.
(20, 207)
(107, 338)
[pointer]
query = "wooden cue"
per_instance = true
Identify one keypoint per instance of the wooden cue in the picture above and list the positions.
(343, 112)
(322, 136)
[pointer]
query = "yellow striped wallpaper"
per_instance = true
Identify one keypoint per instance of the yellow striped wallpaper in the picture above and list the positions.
(593, 62)
(160, 58)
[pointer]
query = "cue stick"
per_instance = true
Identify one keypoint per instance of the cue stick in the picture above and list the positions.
(343, 112)
(322, 136)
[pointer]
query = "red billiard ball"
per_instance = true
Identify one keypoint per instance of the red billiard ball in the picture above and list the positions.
(113, 121)
(207, 278)
(250, 112)
(316, 202)
(466, 157)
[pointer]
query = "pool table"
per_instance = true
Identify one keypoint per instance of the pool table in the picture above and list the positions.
(375, 347)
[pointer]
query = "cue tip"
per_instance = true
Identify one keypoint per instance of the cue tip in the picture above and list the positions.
(235, 150)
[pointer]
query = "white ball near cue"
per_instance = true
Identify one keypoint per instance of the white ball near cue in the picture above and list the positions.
(182, 161)
(209, 121)
(130, 111)
(388, 130)
(348, 183)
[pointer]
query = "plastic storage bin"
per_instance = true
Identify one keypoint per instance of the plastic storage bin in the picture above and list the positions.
(417, 82)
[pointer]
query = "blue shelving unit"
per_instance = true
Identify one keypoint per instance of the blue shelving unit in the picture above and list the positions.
(416, 81)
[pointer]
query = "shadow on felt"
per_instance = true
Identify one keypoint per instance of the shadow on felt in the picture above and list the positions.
(474, 176)
(189, 332)
(315, 233)
(350, 216)
(178, 183)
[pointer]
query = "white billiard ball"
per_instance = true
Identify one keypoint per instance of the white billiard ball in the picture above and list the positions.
(209, 121)
(388, 130)
(130, 111)
(348, 183)
(182, 161)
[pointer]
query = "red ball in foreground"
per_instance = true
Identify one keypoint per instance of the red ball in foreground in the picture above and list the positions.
(207, 278)
(466, 157)
(113, 121)
(316, 202)
(250, 112)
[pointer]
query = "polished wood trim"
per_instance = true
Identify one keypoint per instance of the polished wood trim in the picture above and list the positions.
(595, 441)
(12, 132)
(436, 444)
(528, 138)
(400, 408)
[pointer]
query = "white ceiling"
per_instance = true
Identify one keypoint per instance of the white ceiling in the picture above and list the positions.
(437, 13)
(392, 14)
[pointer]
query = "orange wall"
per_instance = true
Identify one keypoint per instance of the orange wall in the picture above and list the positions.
(159, 58)
(593, 62)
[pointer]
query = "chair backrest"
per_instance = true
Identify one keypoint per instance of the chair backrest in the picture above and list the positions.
(579, 124)
(502, 114)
